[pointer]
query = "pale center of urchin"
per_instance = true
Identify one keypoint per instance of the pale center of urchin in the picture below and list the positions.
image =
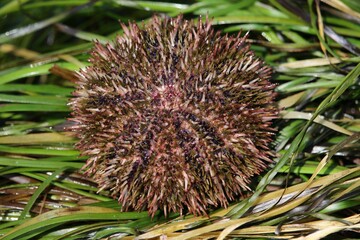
(167, 97)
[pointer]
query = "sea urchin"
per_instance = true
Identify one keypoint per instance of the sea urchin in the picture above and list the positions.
(174, 116)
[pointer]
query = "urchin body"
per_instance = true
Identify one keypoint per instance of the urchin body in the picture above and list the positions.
(174, 116)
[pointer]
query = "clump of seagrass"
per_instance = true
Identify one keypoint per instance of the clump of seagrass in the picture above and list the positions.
(174, 116)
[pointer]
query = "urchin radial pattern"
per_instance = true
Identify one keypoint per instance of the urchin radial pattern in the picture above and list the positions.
(174, 116)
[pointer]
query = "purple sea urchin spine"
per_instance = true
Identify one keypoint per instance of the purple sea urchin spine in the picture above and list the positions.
(174, 116)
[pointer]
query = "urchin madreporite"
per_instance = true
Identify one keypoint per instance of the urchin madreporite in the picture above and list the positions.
(174, 116)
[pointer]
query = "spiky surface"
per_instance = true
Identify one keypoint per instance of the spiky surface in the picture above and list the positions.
(174, 116)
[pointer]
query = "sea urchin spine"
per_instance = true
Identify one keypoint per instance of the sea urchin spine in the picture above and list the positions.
(174, 116)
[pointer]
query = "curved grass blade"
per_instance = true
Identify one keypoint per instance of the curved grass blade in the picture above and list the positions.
(22, 31)
(30, 71)
(19, 162)
(46, 100)
(66, 215)
(319, 119)
(19, 32)
(256, 19)
(153, 6)
(33, 108)
(11, 6)
(39, 190)
(43, 89)
(39, 151)
(36, 138)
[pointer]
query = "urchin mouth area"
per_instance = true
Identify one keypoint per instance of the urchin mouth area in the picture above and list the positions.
(167, 97)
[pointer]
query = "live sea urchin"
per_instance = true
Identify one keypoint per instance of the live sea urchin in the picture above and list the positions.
(174, 116)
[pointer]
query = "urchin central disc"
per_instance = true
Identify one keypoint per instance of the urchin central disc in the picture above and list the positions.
(167, 97)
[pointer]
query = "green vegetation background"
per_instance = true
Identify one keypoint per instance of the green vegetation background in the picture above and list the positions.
(313, 188)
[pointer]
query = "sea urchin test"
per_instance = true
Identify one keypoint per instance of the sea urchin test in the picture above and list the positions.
(174, 116)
